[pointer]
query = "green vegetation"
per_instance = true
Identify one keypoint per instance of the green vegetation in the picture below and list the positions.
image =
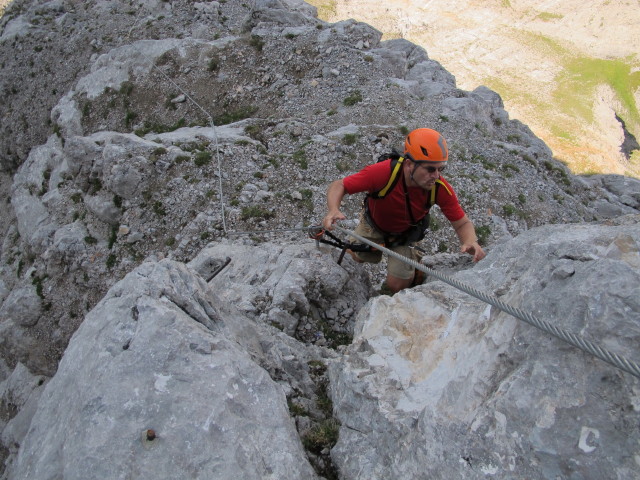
(350, 139)
(297, 410)
(111, 261)
(235, 115)
(549, 17)
(159, 128)
(113, 236)
(483, 232)
(126, 88)
(326, 8)
(253, 130)
(159, 209)
(576, 86)
(255, 211)
(508, 210)
(300, 157)
(307, 198)
(202, 158)
(509, 166)
(322, 435)
(37, 282)
(256, 42)
(355, 97)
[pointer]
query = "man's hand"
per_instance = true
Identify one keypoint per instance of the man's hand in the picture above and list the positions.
(331, 218)
(473, 249)
(335, 194)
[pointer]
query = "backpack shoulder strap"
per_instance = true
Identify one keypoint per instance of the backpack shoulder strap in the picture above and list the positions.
(434, 192)
(396, 169)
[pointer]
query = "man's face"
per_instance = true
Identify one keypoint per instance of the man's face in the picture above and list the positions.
(424, 175)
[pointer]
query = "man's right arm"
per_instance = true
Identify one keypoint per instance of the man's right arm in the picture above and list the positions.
(335, 194)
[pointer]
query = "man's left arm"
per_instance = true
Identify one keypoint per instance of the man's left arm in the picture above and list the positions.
(466, 233)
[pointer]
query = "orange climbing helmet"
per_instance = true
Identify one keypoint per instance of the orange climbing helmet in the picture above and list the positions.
(426, 145)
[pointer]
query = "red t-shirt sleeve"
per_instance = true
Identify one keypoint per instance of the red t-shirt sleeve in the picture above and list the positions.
(371, 178)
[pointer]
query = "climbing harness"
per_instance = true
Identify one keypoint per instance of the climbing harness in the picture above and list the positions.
(612, 358)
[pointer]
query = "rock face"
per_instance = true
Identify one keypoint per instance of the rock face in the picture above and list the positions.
(163, 304)
(439, 385)
(161, 377)
(168, 377)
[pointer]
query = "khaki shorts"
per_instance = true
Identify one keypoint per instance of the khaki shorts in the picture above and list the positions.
(395, 267)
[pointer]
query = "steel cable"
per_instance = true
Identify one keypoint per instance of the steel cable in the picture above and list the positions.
(612, 358)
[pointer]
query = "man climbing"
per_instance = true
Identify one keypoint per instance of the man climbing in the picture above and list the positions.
(400, 193)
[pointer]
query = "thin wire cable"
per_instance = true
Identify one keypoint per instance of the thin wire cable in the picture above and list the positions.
(206, 113)
(612, 358)
(262, 232)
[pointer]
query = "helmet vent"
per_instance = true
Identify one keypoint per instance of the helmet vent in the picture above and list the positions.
(424, 150)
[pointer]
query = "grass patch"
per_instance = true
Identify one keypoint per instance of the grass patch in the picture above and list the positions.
(111, 261)
(37, 282)
(202, 158)
(300, 157)
(508, 210)
(326, 9)
(159, 128)
(322, 435)
(350, 139)
(576, 86)
(355, 97)
(549, 17)
(255, 211)
(483, 232)
(256, 42)
(159, 209)
(235, 115)
(307, 198)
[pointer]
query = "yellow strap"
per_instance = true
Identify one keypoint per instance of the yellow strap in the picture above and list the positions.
(393, 176)
(432, 202)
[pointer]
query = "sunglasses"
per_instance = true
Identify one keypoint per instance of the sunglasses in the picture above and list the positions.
(431, 169)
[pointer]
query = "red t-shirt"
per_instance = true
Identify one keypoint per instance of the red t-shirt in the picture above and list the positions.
(390, 213)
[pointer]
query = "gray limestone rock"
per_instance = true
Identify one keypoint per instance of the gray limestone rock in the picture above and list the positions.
(154, 383)
(19, 395)
(23, 305)
(289, 287)
(438, 384)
